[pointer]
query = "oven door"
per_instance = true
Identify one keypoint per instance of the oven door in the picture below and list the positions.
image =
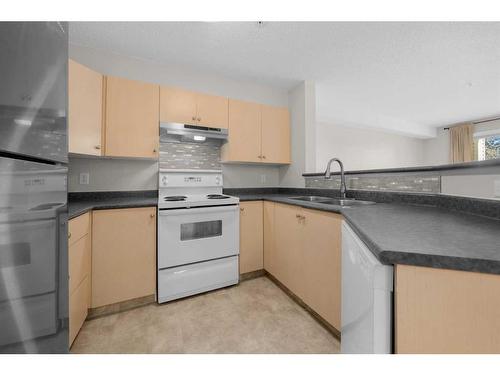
(190, 235)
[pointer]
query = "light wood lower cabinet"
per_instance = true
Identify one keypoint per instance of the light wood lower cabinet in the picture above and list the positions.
(288, 247)
(322, 263)
(446, 311)
(79, 270)
(123, 254)
(251, 236)
(269, 238)
(302, 249)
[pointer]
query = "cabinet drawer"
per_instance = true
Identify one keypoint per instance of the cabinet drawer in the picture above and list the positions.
(78, 308)
(78, 227)
(79, 262)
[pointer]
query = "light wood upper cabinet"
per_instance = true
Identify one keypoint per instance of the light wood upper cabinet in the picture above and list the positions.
(257, 134)
(244, 141)
(446, 311)
(212, 111)
(132, 118)
(188, 107)
(251, 236)
(123, 254)
(85, 109)
(275, 135)
(322, 263)
(177, 105)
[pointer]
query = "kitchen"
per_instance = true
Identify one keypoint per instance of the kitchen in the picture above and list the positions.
(227, 213)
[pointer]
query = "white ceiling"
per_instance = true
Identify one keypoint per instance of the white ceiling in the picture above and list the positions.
(402, 77)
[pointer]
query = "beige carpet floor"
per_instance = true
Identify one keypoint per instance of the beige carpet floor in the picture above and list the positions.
(254, 317)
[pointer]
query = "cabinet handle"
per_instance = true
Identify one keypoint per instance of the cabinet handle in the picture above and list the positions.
(297, 216)
(263, 156)
(152, 215)
(69, 234)
(98, 147)
(193, 118)
(260, 156)
(199, 118)
(242, 209)
(154, 150)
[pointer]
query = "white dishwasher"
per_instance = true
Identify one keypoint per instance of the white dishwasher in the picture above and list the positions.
(367, 287)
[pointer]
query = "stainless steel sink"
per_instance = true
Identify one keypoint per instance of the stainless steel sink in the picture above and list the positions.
(311, 198)
(347, 202)
(332, 201)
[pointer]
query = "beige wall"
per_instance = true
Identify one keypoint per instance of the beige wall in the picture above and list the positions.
(113, 174)
(362, 148)
(437, 150)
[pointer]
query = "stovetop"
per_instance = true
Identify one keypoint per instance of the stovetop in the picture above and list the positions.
(184, 189)
(195, 200)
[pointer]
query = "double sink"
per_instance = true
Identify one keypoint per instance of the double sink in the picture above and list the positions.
(332, 201)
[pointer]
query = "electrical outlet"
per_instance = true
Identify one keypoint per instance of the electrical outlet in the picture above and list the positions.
(84, 178)
(262, 178)
(497, 188)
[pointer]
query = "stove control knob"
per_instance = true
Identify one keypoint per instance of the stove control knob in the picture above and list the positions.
(217, 180)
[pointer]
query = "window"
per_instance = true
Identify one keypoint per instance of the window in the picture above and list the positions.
(487, 147)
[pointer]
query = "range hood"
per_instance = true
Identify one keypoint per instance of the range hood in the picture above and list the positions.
(191, 133)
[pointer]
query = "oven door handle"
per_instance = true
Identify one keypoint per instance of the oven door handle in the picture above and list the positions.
(205, 210)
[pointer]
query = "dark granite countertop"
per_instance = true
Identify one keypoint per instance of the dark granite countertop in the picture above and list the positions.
(79, 203)
(420, 233)
(416, 235)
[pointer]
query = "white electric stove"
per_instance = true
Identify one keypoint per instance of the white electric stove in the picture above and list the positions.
(198, 234)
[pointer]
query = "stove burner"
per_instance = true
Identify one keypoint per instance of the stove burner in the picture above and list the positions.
(217, 196)
(175, 198)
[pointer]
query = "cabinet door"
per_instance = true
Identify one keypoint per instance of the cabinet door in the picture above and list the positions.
(123, 254)
(177, 105)
(275, 135)
(212, 111)
(79, 262)
(244, 132)
(322, 264)
(251, 237)
(78, 308)
(84, 109)
(288, 231)
(132, 118)
(439, 311)
(269, 240)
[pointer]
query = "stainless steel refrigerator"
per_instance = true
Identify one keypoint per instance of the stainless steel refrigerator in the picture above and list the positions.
(33, 187)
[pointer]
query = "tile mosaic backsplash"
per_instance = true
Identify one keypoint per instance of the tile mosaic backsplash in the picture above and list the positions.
(189, 156)
(400, 183)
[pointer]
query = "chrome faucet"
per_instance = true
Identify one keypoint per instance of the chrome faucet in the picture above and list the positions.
(328, 176)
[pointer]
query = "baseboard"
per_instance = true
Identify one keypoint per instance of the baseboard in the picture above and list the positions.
(334, 331)
(114, 308)
(252, 275)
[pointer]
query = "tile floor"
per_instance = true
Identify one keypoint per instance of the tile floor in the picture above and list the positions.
(254, 317)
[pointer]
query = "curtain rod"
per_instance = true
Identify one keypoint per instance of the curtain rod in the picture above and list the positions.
(478, 122)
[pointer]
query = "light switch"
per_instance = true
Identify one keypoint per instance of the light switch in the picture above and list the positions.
(497, 188)
(84, 178)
